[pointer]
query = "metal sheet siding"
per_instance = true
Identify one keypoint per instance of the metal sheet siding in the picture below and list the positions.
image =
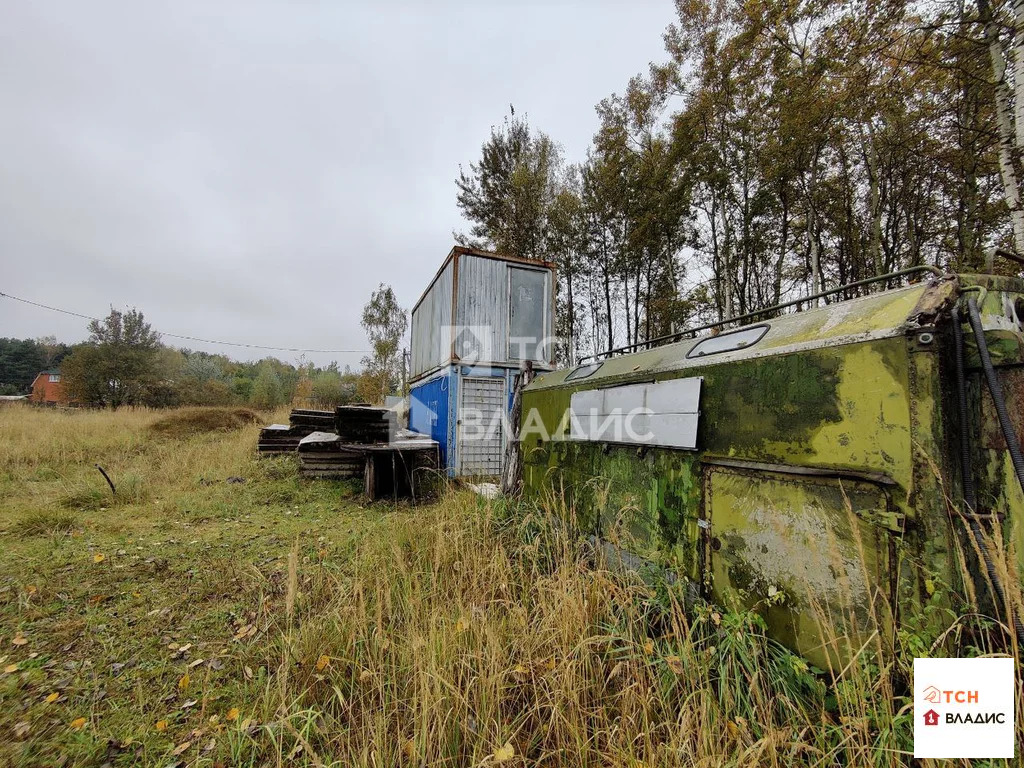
(431, 326)
(483, 303)
(430, 409)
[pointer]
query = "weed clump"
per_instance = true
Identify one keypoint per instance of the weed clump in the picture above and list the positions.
(189, 422)
(45, 524)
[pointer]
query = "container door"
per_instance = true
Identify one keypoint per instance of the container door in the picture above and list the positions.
(527, 314)
(480, 426)
(810, 554)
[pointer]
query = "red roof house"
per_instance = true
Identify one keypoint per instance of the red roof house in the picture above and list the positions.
(47, 388)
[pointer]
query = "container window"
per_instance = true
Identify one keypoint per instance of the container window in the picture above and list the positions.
(728, 342)
(583, 371)
(528, 310)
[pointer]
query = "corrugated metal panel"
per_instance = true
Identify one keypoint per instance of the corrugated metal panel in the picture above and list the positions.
(431, 326)
(483, 307)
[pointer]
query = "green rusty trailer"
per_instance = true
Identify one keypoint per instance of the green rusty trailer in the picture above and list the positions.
(806, 466)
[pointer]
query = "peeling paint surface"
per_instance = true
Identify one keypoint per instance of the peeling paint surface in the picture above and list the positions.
(843, 423)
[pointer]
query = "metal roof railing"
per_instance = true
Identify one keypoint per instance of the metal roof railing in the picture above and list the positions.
(690, 332)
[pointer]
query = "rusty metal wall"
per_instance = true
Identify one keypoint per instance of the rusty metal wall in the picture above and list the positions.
(431, 326)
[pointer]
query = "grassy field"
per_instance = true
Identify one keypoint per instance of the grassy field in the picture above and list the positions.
(218, 611)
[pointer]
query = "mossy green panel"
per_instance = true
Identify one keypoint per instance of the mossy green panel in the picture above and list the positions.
(799, 551)
(842, 408)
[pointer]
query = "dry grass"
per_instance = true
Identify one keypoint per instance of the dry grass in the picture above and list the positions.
(187, 422)
(277, 622)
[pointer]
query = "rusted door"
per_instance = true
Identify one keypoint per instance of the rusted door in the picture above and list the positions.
(810, 554)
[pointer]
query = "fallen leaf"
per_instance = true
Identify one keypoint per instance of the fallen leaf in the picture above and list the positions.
(365, 675)
(504, 754)
(214, 719)
(21, 729)
(52, 697)
(11, 668)
(161, 725)
(20, 639)
(461, 625)
(31, 589)
(520, 671)
(190, 703)
(322, 663)
(211, 745)
(648, 646)
(247, 671)
(98, 558)
(232, 714)
(181, 748)
(248, 723)
(675, 664)
(78, 723)
(196, 663)
(183, 682)
(409, 749)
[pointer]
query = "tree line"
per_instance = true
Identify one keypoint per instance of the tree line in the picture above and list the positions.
(124, 363)
(781, 149)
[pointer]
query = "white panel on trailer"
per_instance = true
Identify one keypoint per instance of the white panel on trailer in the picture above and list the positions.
(663, 413)
(480, 433)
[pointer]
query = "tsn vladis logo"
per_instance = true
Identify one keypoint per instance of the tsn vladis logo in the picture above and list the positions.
(964, 708)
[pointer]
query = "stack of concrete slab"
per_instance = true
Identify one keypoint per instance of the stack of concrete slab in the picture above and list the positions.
(363, 424)
(284, 438)
(321, 455)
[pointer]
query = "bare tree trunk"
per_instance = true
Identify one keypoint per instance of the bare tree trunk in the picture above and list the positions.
(783, 244)
(1011, 137)
(606, 274)
(812, 227)
(725, 276)
(874, 199)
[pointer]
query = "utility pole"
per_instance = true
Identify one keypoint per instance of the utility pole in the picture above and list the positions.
(405, 378)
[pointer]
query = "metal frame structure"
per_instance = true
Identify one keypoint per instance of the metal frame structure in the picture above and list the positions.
(691, 332)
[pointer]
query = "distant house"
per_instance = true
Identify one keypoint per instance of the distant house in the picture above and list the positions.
(47, 388)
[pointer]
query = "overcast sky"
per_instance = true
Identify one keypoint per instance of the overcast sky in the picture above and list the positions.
(252, 171)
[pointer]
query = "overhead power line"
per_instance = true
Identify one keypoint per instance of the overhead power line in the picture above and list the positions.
(192, 338)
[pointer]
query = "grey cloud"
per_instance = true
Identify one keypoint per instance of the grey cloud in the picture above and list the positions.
(251, 171)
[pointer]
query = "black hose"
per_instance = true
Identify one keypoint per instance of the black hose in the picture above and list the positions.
(966, 474)
(996, 390)
(967, 479)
